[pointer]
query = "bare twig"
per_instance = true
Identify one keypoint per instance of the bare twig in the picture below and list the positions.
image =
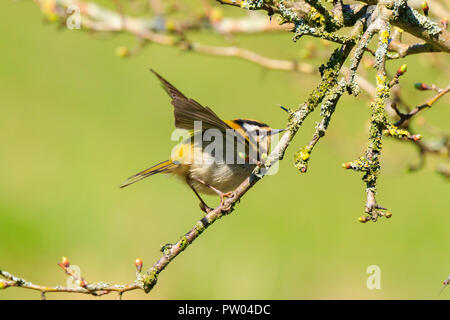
(95, 289)
(405, 117)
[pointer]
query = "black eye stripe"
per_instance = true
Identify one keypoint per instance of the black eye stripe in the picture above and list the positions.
(251, 122)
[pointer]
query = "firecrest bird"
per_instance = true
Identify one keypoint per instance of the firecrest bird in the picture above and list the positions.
(238, 146)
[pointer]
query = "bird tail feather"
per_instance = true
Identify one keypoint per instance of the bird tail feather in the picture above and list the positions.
(159, 168)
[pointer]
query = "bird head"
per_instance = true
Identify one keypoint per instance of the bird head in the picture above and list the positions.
(258, 133)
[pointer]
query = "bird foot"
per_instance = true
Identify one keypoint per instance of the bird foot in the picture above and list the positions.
(223, 197)
(205, 208)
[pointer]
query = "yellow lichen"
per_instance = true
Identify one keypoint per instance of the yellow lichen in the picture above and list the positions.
(385, 36)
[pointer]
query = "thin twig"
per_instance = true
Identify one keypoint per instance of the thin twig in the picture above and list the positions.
(406, 116)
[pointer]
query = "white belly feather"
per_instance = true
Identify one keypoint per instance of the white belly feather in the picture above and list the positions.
(222, 176)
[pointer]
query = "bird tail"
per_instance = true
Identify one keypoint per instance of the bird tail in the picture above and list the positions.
(160, 167)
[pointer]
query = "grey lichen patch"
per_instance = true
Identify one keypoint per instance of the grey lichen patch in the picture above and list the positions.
(353, 87)
(330, 23)
(328, 106)
(329, 73)
(383, 44)
(413, 17)
(252, 4)
(398, 6)
(302, 29)
(287, 14)
(297, 118)
(369, 164)
(378, 124)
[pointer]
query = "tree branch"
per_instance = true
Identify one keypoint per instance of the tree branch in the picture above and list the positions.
(405, 117)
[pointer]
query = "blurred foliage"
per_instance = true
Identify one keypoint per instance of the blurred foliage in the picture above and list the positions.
(76, 120)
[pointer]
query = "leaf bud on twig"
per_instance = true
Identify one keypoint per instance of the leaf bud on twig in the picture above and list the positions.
(65, 262)
(138, 264)
(401, 71)
(425, 8)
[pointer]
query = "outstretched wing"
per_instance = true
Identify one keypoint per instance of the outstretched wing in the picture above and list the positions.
(186, 110)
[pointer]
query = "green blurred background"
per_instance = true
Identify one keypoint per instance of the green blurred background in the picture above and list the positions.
(76, 120)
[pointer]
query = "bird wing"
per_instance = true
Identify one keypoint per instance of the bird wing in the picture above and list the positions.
(186, 110)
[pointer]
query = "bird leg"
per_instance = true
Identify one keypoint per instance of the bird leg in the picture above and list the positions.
(203, 206)
(221, 194)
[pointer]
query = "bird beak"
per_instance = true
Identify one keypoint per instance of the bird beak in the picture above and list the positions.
(276, 131)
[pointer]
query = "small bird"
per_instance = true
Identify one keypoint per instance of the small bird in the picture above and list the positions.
(210, 167)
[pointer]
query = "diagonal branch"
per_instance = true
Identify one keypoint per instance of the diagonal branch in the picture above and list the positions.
(405, 117)
(330, 73)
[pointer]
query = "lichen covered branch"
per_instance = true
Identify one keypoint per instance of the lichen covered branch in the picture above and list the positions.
(79, 284)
